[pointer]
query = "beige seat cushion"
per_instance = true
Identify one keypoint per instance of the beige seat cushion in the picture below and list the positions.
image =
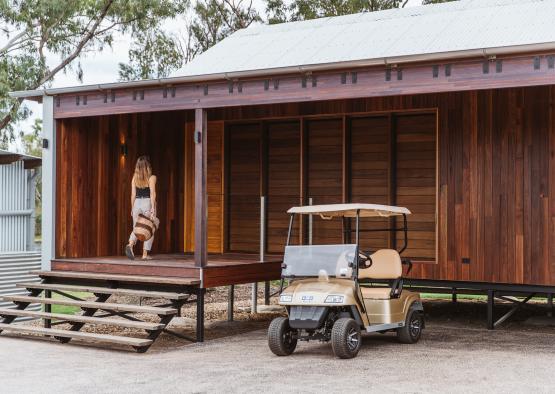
(386, 264)
(376, 293)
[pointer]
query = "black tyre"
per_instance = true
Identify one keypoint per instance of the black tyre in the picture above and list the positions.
(346, 339)
(412, 331)
(281, 339)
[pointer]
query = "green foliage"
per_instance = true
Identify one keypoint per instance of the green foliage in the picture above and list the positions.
(32, 145)
(214, 20)
(31, 30)
(153, 55)
(278, 11)
(32, 141)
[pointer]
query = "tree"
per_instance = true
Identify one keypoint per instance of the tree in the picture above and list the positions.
(33, 30)
(278, 11)
(214, 20)
(32, 145)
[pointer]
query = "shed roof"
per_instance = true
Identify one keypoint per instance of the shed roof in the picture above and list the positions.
(7, 157)
(448, 29)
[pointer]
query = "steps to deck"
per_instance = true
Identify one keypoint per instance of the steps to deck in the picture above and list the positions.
(98, 312)
(105, 290)
(84, 336)
(93, 305)
(82, 319)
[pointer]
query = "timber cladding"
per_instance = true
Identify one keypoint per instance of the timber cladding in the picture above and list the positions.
(495, 174)
(476, 168)
(379, 159)
(95, 163)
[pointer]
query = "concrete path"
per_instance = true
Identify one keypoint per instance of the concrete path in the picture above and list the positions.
(449, 359)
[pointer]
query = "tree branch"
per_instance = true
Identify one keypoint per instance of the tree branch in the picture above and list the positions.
(90, 35)
(14, 39)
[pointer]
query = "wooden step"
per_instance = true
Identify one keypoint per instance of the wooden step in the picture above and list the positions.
(93, 305)
(84, 336)
(164, 280)
(104, 290)
(81, 319)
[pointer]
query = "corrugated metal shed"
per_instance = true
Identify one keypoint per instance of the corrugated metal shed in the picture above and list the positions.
(17, 223)
(441, 28)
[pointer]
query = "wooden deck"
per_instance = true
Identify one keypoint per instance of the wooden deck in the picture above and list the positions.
(222, 269)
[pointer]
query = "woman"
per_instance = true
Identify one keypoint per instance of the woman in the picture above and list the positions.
(143, 201)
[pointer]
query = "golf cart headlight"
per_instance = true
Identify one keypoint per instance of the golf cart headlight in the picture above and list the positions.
(285, 298)
(334, 299)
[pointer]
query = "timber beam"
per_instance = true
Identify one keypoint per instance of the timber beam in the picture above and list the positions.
(375, 81)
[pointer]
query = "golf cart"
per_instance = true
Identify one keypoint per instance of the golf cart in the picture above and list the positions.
(337, 291)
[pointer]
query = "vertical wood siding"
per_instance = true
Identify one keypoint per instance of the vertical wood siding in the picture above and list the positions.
(495, 176)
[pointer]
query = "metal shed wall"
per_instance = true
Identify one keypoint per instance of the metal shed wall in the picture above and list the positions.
(14, 268)
(16, 208)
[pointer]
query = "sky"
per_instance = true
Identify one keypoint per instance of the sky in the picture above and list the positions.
(103, 67)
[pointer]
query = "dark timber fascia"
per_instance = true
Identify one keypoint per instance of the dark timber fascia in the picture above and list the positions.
(417, 78)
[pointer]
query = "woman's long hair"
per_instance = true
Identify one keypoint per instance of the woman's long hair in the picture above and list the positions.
(143, 171)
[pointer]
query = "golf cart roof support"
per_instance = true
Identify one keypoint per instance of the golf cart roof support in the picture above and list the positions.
(290, 229)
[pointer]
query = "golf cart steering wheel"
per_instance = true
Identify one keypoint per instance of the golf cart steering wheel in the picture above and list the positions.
(364, 260)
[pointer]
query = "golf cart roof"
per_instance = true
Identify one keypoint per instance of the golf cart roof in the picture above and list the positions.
(350, 210)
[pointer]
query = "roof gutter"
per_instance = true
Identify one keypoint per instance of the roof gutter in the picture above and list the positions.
(439, 56)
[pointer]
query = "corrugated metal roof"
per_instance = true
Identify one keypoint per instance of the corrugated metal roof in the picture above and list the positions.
(463, 25)
(14, 156)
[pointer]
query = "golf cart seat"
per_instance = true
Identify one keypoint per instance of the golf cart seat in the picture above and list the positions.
(386, 264)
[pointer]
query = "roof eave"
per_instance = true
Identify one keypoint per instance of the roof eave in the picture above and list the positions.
(438, 56)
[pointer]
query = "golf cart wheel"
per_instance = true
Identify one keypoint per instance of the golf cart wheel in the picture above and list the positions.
(412, 330)
(346, 339)
(280, 337)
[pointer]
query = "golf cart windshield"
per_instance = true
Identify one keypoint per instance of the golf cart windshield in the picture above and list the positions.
(317, 260)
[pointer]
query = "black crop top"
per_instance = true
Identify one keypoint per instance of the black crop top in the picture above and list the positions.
(143, 192)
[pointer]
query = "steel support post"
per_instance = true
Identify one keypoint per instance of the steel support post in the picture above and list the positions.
(491, 305)
(266, 293)
(230, 302)
(47, 308)
(454, 296)
(550, 305)
(200, 314)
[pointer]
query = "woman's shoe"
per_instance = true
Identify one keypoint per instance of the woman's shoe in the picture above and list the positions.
(129, 252)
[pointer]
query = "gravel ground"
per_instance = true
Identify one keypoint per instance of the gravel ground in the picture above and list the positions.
(455, 355)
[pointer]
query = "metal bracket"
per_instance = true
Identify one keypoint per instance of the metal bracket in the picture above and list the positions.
(198, 137)
(492, 323)
(537, 63)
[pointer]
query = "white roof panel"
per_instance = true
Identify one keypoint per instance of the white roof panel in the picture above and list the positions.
(463, 25)
(350, 210)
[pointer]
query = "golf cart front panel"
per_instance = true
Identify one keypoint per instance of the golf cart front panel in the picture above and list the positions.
(317, 292)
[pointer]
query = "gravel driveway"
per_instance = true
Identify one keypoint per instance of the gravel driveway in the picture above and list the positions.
(449, 359)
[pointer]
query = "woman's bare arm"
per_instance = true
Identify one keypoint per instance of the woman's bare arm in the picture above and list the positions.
(152, 186)
(133, 194)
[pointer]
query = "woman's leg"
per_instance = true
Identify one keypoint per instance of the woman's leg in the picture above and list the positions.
(147, 245)
(132, 237)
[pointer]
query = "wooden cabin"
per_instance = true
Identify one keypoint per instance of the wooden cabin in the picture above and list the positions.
(445, 109)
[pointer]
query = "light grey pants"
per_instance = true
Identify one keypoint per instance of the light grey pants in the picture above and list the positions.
(141, 205)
